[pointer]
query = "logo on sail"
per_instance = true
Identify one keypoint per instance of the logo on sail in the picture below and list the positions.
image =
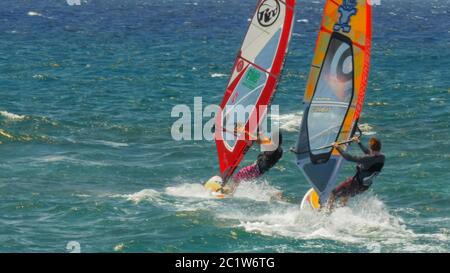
(347, 10)
(268, 12)
(252, 77)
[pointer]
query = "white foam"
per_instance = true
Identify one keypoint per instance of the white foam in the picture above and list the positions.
(34, 13)
(256, 190)
(12, 116)
(143, 195)
(438, 100)
(366, 221)
(218, 75)
(5, 134)
(39, 77)
(73, 2)
(303, 21)
(289, 122)
(82, 195)
(367, 129)
(195, 190)
(63, 158)
(119, 247)
(55, 158)
(109, 143)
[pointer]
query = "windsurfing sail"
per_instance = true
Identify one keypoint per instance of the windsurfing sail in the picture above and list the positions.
(335, 91)
(253, 80)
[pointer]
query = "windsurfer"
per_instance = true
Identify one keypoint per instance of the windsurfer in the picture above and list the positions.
(270, 155)
(368, 166)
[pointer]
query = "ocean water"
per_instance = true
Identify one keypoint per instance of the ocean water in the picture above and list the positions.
(87, 157)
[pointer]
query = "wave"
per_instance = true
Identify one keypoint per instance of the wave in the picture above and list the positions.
(34, 13)
(108, 143)
(73, 2)
(37, 14)
(195, 190)
(12, 116)
(253, 190)
(289, 122)
(193, 196)
(63, 158)
(3, 133)
(366, 129)
(43, 77)
(54, 158)
(143, 195)
(366, 222)
(258, 191)
(218, 75)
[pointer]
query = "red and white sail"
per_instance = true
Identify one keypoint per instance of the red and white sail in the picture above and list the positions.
(253, 80)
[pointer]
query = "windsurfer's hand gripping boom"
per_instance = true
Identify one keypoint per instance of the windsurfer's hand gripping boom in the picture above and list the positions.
(353, 139)
(260, 138)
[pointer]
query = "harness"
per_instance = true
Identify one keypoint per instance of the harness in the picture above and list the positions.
(366, 177)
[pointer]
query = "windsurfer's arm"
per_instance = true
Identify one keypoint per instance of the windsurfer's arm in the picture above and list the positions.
(361, 146)
(348, 156)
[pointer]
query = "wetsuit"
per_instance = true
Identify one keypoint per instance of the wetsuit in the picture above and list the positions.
(265, 161)
(367, 165)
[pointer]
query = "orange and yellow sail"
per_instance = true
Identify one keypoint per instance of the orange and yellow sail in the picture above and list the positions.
(335, 90)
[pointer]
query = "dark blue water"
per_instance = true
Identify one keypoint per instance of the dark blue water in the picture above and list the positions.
(86, 94)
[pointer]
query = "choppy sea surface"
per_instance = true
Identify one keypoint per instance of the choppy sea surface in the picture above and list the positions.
(86, 93)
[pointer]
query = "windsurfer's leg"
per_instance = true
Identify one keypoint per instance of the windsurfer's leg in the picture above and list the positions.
(331, 200)
(342, 191)
(344, 200)
(247, 173)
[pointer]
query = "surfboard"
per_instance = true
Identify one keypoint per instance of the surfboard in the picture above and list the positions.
(213, 186)
(310, 200)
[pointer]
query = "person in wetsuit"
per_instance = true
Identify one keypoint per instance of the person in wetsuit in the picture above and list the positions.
(367, 167)
(270, 156)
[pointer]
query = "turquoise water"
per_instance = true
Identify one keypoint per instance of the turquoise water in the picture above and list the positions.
(87, 155)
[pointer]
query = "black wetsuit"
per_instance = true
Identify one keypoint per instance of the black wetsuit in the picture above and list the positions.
(366, 166)
(267, 160)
